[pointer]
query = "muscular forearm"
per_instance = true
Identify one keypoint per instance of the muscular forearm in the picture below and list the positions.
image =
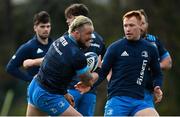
(88, 78)
(32, 62)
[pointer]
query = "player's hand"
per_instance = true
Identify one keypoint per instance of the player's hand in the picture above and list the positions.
(70, 99)
(99, 61)
(28, 63)
(157, 94)
(82, 87)
(109, 75)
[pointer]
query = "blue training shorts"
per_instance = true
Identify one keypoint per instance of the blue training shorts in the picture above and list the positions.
(84, 103)
(124, 106)
(52, 104)
(148, 97)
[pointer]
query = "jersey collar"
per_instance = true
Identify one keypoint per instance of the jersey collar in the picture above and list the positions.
(72, 38)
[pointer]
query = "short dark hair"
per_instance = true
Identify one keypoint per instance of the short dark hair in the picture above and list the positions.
(144, 13)
(76, 10)
(41, 17)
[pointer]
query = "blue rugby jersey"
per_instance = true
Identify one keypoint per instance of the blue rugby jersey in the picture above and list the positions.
(63, 60)
(30, 50)
(97, 46)
(162, 51)
(130, 61)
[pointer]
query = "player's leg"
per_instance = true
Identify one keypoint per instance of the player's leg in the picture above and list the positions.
(147, 112)
(142, 108)
(33, 111)
(52, 104)
(70, 111)
(118, 106)
(87, 104)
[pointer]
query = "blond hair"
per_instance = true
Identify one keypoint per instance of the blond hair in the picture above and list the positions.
(78, 22)
(134, 13)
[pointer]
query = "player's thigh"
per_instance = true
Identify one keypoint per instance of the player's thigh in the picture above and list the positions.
(52, 104)
(70, 111)
(33, 111)
(87, 104)
(118, 106)
(147, 112)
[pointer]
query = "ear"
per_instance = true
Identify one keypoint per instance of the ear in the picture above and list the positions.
(77, 34)
(35, 28)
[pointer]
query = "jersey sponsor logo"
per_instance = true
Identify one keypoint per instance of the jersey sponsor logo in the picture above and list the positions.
(61, 104)
(56, 45)
(109, 111)
(144, 54)
(141, 77)
(53, 110)
(39, 50)
(63, 41)
(124, 54)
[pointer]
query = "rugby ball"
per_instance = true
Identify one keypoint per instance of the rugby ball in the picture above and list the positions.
(92, 60)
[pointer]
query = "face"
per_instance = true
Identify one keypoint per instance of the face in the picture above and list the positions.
(70, 19)
(144, 26)
(42, 30)
(132, 28)
(84, 35)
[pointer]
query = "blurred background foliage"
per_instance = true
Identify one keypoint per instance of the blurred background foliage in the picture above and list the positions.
(16, 27)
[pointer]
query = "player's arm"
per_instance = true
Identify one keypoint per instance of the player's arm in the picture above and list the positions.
(165, 58)
(32, 62)
(107, 62)
(87, 79)
(14, 65)
(157, 75)
(166, 63)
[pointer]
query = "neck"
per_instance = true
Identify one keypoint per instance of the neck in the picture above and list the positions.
(137, 38)
(42, 41)
(74, 36)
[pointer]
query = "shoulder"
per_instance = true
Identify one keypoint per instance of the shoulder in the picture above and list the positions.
(151, 38)
(67, 44)
(117, 44)
(146, 43)
(119, 41)
(28, 45)
(150, 47)
(50, 40)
